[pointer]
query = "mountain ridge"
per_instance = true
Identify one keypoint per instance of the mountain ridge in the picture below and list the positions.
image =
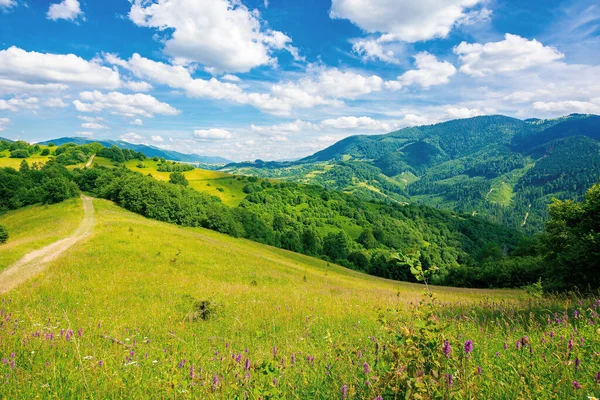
(148, 150)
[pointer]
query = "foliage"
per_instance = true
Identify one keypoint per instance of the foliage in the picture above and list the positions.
(178, 178)
(174, 167)
(19, 153)
(3, 234)
(571, 244)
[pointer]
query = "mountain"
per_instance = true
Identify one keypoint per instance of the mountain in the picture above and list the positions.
(503, 168)
(5, 139)
(150, 151)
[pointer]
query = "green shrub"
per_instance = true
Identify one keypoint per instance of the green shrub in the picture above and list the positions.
(3, 234)
(45, 152)
(19, 153)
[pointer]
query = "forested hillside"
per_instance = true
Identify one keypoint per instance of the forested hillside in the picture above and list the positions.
(505, 169)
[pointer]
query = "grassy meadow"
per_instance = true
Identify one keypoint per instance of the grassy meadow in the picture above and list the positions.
(144, 309)
(7, 162)
(34, 227)
(225, 186)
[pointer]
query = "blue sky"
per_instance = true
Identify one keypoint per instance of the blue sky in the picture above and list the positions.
(281, 79)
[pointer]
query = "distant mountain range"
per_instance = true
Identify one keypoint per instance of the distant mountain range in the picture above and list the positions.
(5, 139)
(500, 167)
(149, 151)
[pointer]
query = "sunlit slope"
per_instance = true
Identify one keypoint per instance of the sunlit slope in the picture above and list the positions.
(136, 280)
(225, 186)
(34, 227)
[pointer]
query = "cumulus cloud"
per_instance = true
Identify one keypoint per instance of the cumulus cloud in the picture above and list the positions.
(569, 106)
(514, 53)
(157, 138)
(85, 134)
(212, 134)
(93, 125)
(223, 35)
(371, 49)
(429, 72)
(33, 69)
(128, 105)
(17, 104)
(55, 102)
(132, 137)
(90, 119)
(465, 112)
(405, 20)
(137, 121)
(6, 4)
(8, 86)
(284, 128)
(230, 78)
(364, 123)
(67, 9)
(4, 122)
(139, 86)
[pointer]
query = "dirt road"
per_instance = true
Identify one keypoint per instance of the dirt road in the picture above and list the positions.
(36, 261)
(90, 161)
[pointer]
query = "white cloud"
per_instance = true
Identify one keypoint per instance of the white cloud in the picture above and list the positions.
(67, 9)
(221, 34)
(123, 104)
(405, 20)
(230, 78)
(55, 102)
(93, 125)
(283, 128)
(8, 86)
(32, 68)
(17, 104)
(6, 4)
(4, 122)
(137, 121)
(178, 77)
(212, 134)
(139, 86)
(157, 138)
(132, 137)
(371, 49)
(85, 134)
(569, 106)
(365, 123)
(429, 72)
(464, 112)
(90, 119)
(514, 53)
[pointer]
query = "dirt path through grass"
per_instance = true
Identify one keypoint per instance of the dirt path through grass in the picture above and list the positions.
(89, 163)
(36, 261)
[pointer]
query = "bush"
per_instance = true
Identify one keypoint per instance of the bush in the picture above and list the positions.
(177, 178)
(19, 153)
(3, 234)
(45, 152)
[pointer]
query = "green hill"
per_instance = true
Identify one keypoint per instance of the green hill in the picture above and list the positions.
(502, 168)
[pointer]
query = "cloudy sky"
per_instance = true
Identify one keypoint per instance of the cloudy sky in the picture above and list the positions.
(281, 79)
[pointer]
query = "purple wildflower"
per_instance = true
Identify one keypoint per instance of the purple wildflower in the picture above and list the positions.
(344, 392)
(447, 349)
(449, 380)
(505, 346)
(275, 381)
(576, 385)
(366, 368)
(479, 370)
(247, 364)
(100, 363)
(577, 362)
(570, 345)
(181, 363)
(80, 332)
(518, 344)
(216, 381)
(598, 377)
(274, 351)
(468, 346)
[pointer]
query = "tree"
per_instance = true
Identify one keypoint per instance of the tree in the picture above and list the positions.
(337, 246)
(3, 234)
(177, 178)
(572, 242)
(45, 152)
(19, 153)
(367, 239)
